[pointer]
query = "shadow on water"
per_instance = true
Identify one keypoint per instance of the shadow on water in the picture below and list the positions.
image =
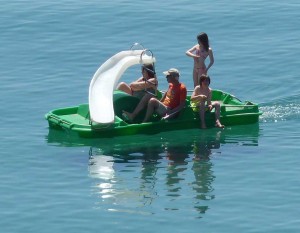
(142, 172)
(244, 134)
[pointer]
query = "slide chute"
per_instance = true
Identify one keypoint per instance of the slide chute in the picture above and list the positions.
(106, 79)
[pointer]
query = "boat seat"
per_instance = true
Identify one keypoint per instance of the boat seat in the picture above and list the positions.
(126, 102)
(83, 110)
(123, 101)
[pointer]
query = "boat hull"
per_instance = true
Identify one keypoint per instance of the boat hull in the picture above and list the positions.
(77, 120)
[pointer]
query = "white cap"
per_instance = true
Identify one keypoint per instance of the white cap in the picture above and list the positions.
(174, 72)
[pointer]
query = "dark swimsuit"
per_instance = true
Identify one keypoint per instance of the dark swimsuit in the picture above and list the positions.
(140, 94)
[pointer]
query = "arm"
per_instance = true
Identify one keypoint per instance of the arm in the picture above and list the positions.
(190, 52)
(163, 97)
(197, 97)
(209, 100)
(211, 58)
(140, 84)
(178, 108)
(152, 82)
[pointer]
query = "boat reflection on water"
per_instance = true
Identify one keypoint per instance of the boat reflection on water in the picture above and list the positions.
(150, 174)
(195, 157)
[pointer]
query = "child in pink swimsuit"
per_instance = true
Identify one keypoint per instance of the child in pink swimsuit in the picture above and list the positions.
(200, 52)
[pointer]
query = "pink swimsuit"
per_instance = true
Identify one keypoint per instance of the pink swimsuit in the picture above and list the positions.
(202, 53)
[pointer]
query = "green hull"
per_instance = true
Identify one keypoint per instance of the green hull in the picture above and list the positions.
(77, 120)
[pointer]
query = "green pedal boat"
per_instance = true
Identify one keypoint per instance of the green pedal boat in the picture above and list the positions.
(102, 116)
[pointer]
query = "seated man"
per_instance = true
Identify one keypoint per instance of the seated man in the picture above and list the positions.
(172, 101)
(201, 95)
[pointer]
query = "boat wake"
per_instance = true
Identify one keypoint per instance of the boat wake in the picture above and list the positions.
(281, 110)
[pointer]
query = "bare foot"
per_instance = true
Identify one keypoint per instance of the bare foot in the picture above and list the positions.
(219, 125)
(128, 115)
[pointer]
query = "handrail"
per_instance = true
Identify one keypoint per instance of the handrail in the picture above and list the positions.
(153, 71)
(231, 105)
(173, 113)
(241, 106)
(60, 121)
(135, 45)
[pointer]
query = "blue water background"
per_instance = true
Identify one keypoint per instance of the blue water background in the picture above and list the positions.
(241, 179)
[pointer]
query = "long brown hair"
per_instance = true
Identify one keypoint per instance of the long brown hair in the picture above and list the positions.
(203, 39)
(149, 68)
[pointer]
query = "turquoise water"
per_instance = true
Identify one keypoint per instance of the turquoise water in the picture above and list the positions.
(241, 179)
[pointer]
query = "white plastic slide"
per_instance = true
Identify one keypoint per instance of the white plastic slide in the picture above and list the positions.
(105, 81)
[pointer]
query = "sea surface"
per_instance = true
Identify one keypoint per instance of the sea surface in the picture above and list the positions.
(240, 179)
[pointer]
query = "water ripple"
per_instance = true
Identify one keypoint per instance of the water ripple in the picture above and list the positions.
(281, 110)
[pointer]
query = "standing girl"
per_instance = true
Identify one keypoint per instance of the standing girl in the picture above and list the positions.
(200, 52)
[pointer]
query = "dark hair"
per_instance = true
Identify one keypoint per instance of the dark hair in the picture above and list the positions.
(203, 77)
(150, 70)
(203, 39)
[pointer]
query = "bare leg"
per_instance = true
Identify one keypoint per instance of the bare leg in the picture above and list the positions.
(152, 105)
(195, 77)
(124, 87)
(141, 105)
(217, 107)
(197, 72)
(202, 114)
